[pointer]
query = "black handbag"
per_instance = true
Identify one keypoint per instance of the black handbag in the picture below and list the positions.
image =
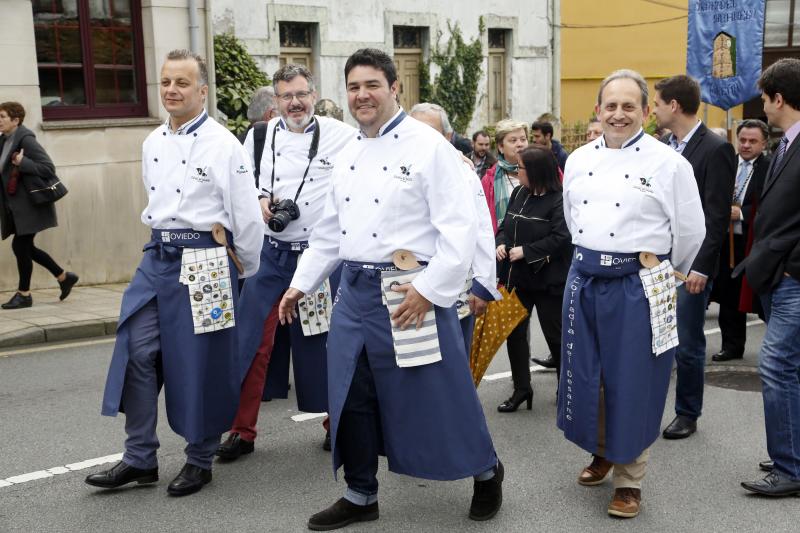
(44, 190)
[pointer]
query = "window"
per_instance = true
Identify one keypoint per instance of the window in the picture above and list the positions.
(296, 43)
(90, 58)
(498, 57)
(408, 60)
(407, 37)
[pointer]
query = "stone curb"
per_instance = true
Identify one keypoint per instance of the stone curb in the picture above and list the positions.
(59, 332)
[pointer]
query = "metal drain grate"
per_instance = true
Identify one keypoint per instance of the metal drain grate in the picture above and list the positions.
(741, 380)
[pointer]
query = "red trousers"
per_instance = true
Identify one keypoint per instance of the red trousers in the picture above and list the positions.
(253, 385)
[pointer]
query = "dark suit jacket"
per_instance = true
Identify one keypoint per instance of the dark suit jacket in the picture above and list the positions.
(714, 162)
(776, 244)
(726, 289)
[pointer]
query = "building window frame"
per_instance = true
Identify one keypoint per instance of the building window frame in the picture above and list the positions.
(91, 109)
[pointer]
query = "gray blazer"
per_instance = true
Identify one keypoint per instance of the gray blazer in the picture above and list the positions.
(17, 214)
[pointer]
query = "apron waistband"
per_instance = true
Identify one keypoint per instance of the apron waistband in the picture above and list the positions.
(185, 238)
(371, 266)
(607, 264)
(285, 246)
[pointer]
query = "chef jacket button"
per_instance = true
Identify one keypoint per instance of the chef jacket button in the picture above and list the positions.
(627, 176)
(585, 202)
(637, 148)
(590, 173)
(306, 203)
(344, 232)
(173, 219)
(580, 231)
(194, 134)
(617, 204)
(149, 217)
(376, 200)
(277, 179)
(374, 234)
(155, 159)
(310, 179)
(395, 136)
(384, 168)
(597, 147)
(183, 162)
(178, 191)
(611, 234)
(352, 167)
(359, 137)
(305, 229)
(278, 154)
(152, 188)
(347, 199)
(164, 134)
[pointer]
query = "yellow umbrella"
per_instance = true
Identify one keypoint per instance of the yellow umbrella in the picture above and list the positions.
(492, 329)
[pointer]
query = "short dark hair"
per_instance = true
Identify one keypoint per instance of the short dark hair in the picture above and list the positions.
(14, 110)
(782, 77)
(754, 123)
(181, 54)
(541, 168)
(478, 134)
(682, 89)
(545, 127)
(371, 57)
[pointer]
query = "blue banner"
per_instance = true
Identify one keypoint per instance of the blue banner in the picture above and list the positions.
(724, 49)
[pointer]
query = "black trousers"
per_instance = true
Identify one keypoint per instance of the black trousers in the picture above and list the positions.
(26, 254)
(548, 309)
(360, 437)
(733, 327)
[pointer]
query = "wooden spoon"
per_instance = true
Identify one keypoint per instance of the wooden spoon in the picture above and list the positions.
(404, 260)
(650, 260)
(218, 233)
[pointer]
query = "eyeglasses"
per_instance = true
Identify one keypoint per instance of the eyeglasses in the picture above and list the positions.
(300, 95)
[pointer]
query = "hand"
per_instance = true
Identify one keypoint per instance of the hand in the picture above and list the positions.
(413, 308)
(266, 212)
(286, 309)
(468, 161)
(501, 252)
(736, 213)
(695, 283)
(515, 254)
(477, 305)
(16, 159)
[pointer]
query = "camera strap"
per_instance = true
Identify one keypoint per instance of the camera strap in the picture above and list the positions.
(312, 153)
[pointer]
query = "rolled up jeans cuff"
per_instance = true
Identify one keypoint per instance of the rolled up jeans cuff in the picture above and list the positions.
(358, 498)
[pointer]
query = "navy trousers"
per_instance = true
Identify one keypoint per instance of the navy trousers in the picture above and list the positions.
(143, 380)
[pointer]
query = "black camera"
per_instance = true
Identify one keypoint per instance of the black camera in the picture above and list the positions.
(283, 212)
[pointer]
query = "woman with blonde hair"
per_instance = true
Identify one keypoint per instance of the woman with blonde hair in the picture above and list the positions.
(511, 136)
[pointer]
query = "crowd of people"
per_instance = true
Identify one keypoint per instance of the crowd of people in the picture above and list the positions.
(367, 252)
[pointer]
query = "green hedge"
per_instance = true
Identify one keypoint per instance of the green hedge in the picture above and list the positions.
(238, 77)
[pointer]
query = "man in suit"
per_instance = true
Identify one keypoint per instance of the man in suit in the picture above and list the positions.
(713, 159)
(773, 270)
(752, 138)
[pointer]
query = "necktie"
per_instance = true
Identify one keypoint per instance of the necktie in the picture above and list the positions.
(744, 171)
(779, 153)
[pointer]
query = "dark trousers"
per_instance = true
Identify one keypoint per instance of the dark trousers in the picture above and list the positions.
(26, 254)
(733, 328)
(690, 357)
(548, 309)
(359, 438)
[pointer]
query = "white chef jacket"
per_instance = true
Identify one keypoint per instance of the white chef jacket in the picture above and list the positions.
(200, 177)
(400, 190)
(640, 198)
(484, 265)
(291, 159)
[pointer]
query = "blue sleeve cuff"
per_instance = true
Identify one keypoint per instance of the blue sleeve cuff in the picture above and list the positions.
(481, 292)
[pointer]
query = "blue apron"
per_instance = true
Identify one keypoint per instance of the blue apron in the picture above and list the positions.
(259, 294)
(201, 373)
(606, 336)
(432, 421)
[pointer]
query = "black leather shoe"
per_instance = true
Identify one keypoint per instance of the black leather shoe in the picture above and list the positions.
(121, 474)
(726, 355)
(513, 403)
(326, 444)
(190, 480)
(680, 428)
(766, 466)
(487, 496)
(18, 301)
(774, 484)
(70, 279)
(342, 513)
(550, 362)
(233, 447)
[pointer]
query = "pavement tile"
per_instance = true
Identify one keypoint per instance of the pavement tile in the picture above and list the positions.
(46, 320)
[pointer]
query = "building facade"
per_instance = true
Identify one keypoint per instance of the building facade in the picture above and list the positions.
(87, 73)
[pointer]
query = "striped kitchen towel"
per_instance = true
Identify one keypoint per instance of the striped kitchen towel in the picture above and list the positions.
(412, 346)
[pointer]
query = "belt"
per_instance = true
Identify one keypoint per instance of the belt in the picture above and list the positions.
(184, 238)
(607, 264)
(284, 246)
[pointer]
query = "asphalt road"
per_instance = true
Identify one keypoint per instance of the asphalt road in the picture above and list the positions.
(49, 417)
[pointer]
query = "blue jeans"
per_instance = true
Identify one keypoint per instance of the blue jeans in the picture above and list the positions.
(691, 353)
(779, 365)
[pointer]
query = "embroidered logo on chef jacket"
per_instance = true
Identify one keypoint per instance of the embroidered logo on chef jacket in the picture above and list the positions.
(201, 175)
(242, 170)
(405, 174)
(325, 164)
(644, 185)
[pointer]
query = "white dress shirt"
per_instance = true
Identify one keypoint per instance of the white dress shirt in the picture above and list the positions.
(291, 159)
(640, 198)
(402, 190)
(198, 176)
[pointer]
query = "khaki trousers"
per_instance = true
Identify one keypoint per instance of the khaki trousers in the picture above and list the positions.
(627, 476)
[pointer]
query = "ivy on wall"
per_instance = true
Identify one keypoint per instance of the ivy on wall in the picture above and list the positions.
(238, 77)
(456, 85)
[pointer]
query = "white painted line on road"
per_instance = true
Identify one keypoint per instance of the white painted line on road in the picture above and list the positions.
(308, 416)
(50, 348)
(717, 330)
(56, 470)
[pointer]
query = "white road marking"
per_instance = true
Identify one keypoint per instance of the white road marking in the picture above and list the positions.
(57, 470)
(50, 348)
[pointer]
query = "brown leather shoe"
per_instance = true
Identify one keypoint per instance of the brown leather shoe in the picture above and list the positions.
(595, 473)
(625, 503)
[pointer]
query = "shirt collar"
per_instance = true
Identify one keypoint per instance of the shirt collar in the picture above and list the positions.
(743, 161)
(188, 127)
(391, 123)
(311, 125)
(635, 138)
(673, 141)
(792, 133)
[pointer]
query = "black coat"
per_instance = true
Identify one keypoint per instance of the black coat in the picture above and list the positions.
(776, 242)
(726, 290)
(714, 162)
(18, 215)
(537, 224)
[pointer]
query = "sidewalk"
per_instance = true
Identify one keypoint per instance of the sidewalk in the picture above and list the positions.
(89, 311)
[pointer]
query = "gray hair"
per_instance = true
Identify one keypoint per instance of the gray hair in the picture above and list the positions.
(181, 54)
(261, 102)
(754, 123)
(625, 74)
(426, 107)
(290, 71)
